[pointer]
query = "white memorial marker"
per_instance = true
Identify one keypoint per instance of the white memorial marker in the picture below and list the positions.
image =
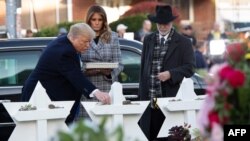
(126, 116)
(39, 124)
(181, 109)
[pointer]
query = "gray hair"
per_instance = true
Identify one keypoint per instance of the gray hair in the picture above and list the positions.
(80, 29)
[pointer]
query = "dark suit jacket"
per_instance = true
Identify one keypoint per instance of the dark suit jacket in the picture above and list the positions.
(59, 72)
(200, 60)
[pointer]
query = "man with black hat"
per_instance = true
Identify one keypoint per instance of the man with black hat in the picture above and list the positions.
(167, 57)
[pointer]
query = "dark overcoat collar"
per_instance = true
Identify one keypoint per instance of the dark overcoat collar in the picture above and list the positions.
(172, 44)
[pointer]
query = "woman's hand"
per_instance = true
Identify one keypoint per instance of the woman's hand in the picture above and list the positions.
(92, 72)
(106, 72)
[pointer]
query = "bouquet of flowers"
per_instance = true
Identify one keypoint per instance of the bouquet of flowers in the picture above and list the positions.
(228, 94)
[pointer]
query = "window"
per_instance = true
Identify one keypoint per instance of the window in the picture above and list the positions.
(132, 63)
(15, 67)
(113, 3)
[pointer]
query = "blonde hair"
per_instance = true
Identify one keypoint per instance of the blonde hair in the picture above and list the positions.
(105, 33)
(79, 29)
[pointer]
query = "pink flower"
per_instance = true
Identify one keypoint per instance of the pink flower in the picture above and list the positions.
(217, 133)
(202, 117)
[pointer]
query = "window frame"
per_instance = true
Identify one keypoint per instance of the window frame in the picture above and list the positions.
(12, 90)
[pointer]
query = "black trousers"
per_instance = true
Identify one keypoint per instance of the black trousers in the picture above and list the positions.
(73, 113)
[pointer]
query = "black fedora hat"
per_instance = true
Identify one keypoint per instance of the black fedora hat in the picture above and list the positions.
(163, 15)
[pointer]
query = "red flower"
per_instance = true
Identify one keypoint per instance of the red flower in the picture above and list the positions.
(225, 120)
(236, 52)
(236, 78)
(213, 118)
(223, 92)
(225, 71)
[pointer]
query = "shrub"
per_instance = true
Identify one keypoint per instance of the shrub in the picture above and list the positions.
(88, 131)
(134, 23)
(53, 31)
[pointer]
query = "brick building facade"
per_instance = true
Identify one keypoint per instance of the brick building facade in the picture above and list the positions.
(203, 20)
(2, 12)
(46, 14)
(80, 8)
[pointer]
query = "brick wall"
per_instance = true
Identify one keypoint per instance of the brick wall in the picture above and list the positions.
(80, 8)
(204, 17)
(2, 12)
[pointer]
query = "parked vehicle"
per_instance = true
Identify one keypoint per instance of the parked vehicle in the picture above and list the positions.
(7, 125)
(18, 57)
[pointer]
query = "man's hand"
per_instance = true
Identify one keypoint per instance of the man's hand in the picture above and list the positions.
(164, 76)
(103, 97)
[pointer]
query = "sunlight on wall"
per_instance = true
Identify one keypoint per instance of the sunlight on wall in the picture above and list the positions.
(114, 13)
(233, 10)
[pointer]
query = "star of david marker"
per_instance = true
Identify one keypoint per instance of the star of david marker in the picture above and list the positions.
(39, 124)
(118, 114)
(181, 109)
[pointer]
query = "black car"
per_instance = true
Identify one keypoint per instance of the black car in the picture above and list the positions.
(18, 57)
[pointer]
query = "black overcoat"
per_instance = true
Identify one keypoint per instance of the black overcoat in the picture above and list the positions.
(179, 61)
(59, 72)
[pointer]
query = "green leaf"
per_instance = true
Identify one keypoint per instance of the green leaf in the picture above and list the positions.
(243, 96)
(65, 136)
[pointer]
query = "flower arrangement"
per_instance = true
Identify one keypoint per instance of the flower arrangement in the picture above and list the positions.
(228, 99)
(180, 133)
(27, 107)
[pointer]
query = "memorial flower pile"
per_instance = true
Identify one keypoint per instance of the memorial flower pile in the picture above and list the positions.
(228, 94)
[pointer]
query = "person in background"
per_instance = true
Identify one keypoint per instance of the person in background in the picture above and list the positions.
(121, 30)
(59, 71)
(145, 30)
(104, 47)
(167, 57)
(216, 34)
(29, 33)
(187, 31)
(62, 31)
(199, 57)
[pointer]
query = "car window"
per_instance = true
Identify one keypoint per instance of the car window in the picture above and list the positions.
(15, 67)
(131, 61)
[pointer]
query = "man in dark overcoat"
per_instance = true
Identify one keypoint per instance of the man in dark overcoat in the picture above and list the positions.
(167, 57)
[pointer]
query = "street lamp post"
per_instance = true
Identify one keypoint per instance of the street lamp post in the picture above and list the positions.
(11, 7)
